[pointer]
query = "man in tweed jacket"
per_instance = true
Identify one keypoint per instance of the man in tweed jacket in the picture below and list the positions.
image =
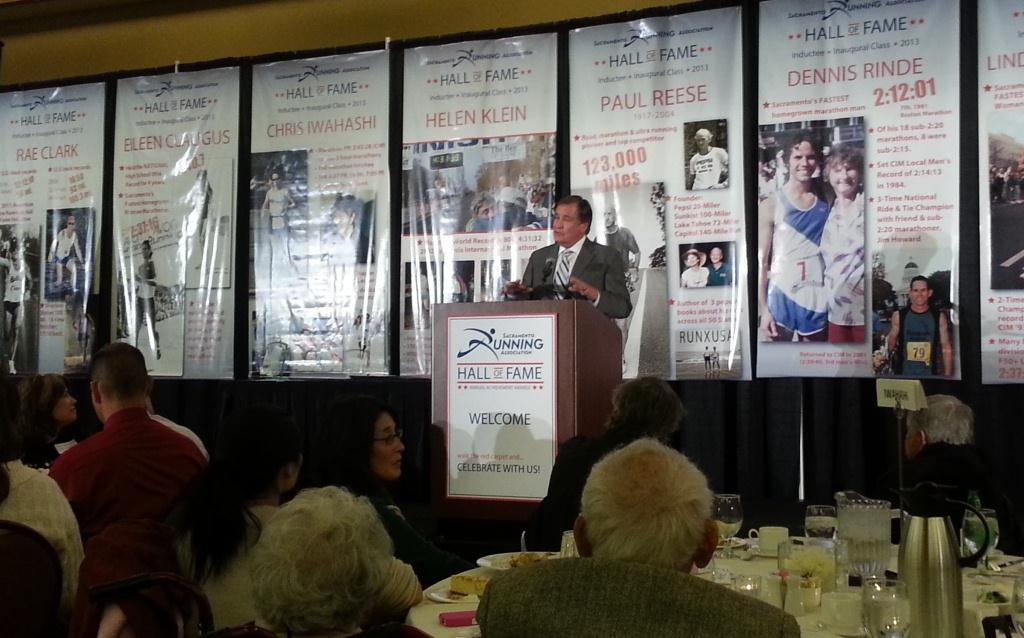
(645, 521)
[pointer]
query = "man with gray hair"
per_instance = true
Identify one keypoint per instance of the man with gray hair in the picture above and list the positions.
(645, 523)
(709, 166)
(939, 447)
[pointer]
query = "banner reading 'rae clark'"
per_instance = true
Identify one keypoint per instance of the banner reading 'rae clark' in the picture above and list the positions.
(478, 174)
(175, 174)
(1001, 188)
(319, 215)
(858, 179)
(656, 115)
(51, 192)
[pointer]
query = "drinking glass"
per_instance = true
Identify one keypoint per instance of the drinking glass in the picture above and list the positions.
(1017, 602)
(820, 521)
(886, 608)
(568, 549)
(972, 533)
(749, 585)
(728, 514)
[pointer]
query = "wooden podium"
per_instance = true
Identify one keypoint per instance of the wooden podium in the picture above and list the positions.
(586, 354)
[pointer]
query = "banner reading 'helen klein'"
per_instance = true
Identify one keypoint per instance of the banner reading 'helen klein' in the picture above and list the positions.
(478, 174)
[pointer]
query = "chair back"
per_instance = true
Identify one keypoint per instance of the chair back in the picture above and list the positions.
(30, 582)
(177, 590)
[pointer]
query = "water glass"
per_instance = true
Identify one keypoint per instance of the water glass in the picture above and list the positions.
(886, 608)
(820, 521)
(727, 510)
(972, 533)
(749, 585)
(568, 549)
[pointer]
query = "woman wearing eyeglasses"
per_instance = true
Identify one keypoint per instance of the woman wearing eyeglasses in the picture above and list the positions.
(360, 448)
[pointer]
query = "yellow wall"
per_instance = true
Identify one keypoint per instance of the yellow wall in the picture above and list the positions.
(145, 35)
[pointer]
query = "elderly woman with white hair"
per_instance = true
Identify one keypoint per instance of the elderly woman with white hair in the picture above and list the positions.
(939, 447)
(321, 565)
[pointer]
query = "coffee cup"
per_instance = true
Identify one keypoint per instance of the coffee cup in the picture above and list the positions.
(841, 610)
(768, 538)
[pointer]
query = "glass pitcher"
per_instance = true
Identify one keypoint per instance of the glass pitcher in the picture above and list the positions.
(864, 525)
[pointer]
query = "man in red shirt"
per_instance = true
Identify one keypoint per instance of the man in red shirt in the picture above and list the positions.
(135, 468)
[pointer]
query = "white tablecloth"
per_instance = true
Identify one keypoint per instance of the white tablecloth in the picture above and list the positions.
(425, 615)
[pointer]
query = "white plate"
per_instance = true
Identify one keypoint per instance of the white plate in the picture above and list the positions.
(504, 561)
(844, 631)
(761, 554)
(441, 593)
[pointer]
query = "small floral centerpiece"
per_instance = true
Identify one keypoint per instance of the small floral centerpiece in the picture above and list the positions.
(815, 566)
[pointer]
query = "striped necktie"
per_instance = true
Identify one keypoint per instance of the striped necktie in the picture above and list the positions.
(562, 274)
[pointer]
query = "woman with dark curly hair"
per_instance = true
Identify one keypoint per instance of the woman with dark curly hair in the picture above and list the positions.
(46, 408)
(642, 408)
(30, 497)
(359, 447)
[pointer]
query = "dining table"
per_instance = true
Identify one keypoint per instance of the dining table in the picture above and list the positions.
(425, 616)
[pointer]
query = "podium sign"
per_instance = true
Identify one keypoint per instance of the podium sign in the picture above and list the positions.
(502, 433)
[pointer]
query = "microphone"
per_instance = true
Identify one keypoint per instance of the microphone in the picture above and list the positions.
(549, 268)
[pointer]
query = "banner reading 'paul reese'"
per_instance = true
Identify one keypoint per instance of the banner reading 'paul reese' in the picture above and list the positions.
(51, 192)
(1001, 188)
(319, 215)
(478, 174)
(656, 117)
(175, 176)
(858, 188)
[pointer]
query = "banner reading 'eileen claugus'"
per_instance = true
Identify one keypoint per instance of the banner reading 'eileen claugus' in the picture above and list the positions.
(656, 116)
(478, 174)
(858, 188)
(51, 192)
(1001, 188)
(175, 174)
(319, 215)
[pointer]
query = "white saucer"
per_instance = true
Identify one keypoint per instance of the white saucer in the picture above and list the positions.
(761, 554)
(851, 632)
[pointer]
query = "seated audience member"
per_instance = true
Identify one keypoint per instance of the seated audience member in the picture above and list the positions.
(257, 460)
(939, 447)
(646, 521)
(644, 407)
(47, 408)
(135, 468)
(360, 448)
(30, 497)
(320, 563)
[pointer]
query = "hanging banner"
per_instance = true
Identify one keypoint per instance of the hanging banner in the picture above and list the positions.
(319, 216)
(478, 174)
(1001, 189)
(858, 189)
(51, 195)
(175, 176)
(503, 432)
(656, 114)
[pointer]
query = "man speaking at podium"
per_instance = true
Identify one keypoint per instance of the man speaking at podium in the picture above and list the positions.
(574, 267)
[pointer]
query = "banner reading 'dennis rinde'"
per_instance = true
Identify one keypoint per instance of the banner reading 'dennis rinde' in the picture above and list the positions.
(656, 116)
(319, 215)
(478, 174)
(51, 191)
(858, 188)
(1001, 188)
(175, 175)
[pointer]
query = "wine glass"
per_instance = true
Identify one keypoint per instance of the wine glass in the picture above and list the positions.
(886, 607)
(820, 521)
(727, 510)
(972, 533)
